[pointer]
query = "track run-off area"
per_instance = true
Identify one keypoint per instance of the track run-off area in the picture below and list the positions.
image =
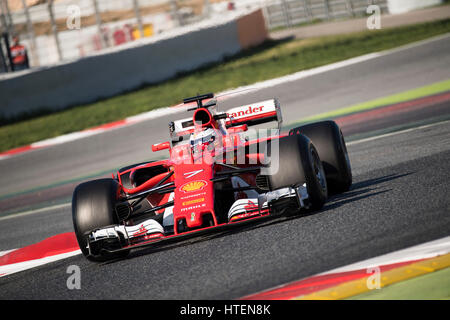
(400, 157)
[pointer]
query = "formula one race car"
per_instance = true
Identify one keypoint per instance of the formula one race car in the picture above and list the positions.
(220, 174)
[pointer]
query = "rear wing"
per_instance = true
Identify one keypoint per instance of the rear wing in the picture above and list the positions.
(255, 113)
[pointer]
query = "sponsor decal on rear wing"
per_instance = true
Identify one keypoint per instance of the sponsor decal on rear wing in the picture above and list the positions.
(255, 113)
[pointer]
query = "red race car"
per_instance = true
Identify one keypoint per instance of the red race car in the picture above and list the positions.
(220, 174)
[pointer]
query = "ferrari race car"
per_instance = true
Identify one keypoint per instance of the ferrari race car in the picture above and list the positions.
(220, 174)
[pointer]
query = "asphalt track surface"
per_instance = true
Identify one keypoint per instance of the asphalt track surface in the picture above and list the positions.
(399, 198)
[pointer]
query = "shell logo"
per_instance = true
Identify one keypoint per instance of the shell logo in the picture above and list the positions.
(193, 186)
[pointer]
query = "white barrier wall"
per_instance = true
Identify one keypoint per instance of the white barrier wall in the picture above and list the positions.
(402, 6)
(135, 64)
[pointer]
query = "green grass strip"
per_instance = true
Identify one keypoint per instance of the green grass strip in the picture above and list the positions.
(421, 92)
(271, 60)
(433, 286)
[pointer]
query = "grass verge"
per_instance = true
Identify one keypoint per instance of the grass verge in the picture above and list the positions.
(408, 95)
(272, 59)
(433, 286)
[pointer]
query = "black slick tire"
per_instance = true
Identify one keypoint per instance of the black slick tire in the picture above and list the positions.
(329, 141)
(93, 206)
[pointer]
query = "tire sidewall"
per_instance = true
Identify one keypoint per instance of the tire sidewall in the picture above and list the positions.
(329, 141)
(296, 166)
(93, 205)
(316, 192)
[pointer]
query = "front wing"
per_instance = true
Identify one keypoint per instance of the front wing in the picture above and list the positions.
(118, 238)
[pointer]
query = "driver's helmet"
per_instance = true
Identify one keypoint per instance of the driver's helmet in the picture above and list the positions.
(203, 139)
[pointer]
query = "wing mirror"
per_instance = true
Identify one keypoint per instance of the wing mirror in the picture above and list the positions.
(241, 128)
(161, 146)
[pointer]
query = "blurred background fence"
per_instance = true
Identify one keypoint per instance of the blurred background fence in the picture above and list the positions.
(288, 13)
(59, 30)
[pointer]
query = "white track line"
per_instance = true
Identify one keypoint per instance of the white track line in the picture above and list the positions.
(30, 212)
(2, 253)
(423, 251)
(21, 266)
(333, 66)
(396, 133)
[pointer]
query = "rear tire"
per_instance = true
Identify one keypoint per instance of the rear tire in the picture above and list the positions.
(93, 206)
(329, 141)
(298, 163)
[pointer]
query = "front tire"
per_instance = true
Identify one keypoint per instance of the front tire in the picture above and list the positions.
(93, 207)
